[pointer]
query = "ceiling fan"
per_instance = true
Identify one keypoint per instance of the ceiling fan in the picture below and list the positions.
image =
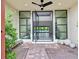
(43, 5)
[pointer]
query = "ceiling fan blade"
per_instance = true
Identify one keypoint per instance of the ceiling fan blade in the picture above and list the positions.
(48, 3)
(35, 3)
(42, 0)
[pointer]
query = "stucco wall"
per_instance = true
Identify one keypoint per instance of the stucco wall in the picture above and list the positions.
(13, 15)
(15, 21)
(73, 23)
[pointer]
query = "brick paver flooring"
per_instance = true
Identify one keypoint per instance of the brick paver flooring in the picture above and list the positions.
(49, 51)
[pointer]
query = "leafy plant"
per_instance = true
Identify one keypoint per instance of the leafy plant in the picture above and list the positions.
(11, 55)
(10, 38)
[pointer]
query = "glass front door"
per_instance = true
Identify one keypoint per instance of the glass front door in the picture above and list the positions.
(42, 26)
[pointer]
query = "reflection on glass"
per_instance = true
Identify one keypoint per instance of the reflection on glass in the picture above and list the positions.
(23, 28)
(22, 21)
(61, 28)
(61, 24)
(61, 20)
(25, 14)
(24, 36)
(24, 25)
(61, 14)
(41, 29)
(61, 35)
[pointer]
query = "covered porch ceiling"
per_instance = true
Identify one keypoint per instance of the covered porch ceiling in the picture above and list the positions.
(27, 4)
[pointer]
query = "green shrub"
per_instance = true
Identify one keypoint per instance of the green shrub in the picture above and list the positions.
(10, 38)
(11, 55)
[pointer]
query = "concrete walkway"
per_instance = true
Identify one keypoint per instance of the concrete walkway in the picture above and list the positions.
(47, 51)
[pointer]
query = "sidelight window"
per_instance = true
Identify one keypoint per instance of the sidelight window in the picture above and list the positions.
(24, 24)
(61, 24)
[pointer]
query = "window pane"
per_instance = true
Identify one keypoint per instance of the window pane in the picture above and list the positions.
(61, 35)
(61, 24)
(22, 21)
(61, 28)
(29, 28)
(61, 20)
(24, 36)
(25, 14)
(22, 28)
(61, 14)
(28, 21)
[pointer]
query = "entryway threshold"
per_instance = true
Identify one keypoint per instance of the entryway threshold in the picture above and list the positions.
(43, 42)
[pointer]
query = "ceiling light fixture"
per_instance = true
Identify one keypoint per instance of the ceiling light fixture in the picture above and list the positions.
(59, 4)
(25, 4)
